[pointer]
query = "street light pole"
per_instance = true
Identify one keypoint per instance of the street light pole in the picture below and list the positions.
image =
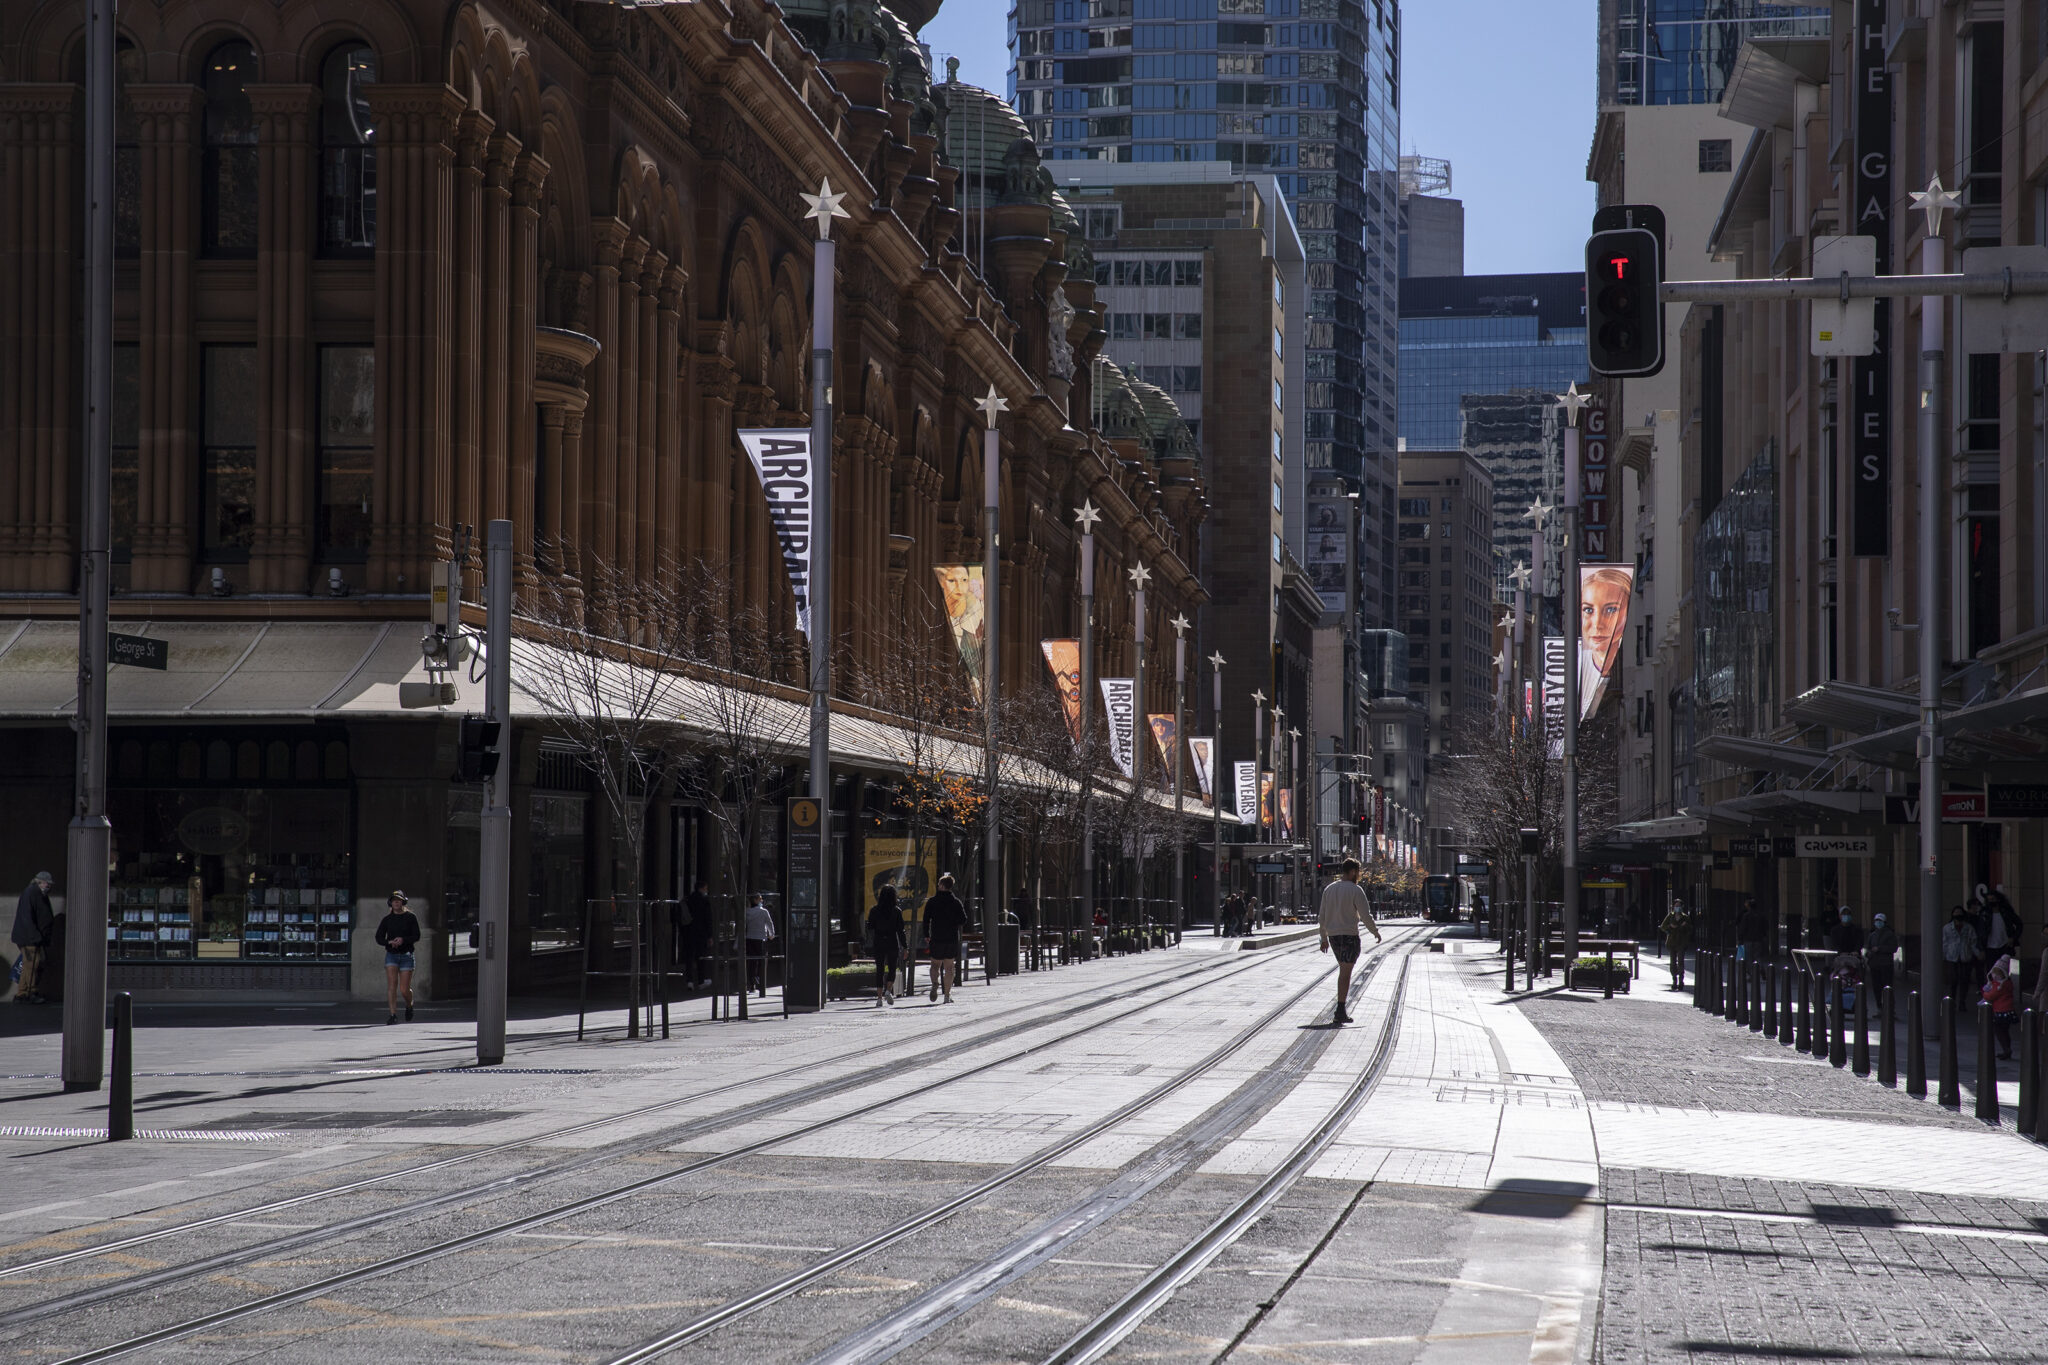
(1216, 793)
(1180, 686)
(991, 404)
(89, 841)
(1087, 516)
(1141, 727)
(494, 835)
(1572, 401)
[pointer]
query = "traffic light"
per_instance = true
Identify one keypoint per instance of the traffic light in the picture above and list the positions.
(1624, 314)
(478, 760)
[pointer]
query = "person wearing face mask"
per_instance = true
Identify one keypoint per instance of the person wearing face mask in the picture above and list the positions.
(1848, 935)
(1878, 947)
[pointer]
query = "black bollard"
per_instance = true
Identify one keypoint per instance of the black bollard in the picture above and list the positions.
(2041, 1081)
(121, 1078)
(1703, 981)
(1731, 1008)
(1771, 1001)
(1759, 1002)
(1507, 951)
(1987, 1066)
(1607, 978)
(1949, 1087)
(1916, 1047)
(1887, 1042)
(2030, 1071)
(1859, 1046)
(1805, 1043)
(1787, 1024)
(1838, 1028)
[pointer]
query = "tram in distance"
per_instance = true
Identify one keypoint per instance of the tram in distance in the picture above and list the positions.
(1446, 898)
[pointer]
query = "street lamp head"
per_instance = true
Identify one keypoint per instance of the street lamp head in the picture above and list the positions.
(1179, 623)
(1934, 201)
(824, 206)
(990, 404)
(1087, 515)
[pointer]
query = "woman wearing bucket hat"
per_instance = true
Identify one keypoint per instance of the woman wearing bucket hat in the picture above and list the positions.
(398, 934)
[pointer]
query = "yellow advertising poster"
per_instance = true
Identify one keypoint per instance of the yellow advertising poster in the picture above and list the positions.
(1063, 657)
(893, 862)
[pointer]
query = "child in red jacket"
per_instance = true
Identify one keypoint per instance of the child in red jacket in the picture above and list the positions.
(1999, 994)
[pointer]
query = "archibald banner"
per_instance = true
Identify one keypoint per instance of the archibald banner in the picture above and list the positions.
(782, 460)
(1120, 706)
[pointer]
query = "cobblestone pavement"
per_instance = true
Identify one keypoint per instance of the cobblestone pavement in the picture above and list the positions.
(1762, 1205)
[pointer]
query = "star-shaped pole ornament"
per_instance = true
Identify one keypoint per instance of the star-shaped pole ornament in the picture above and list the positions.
(1179, 623)
(1259, 697)
(990, 404)
(1500, 660)
(1539, 511)
(1935, 201)
(1140, 576)
(1520, 575)
(1087, 515)
(1216, 661)
(824, 206)
(1571, 400)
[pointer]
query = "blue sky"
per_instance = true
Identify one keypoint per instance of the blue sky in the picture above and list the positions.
(1502, 89)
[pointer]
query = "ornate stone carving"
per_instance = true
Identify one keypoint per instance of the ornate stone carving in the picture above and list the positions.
(1058, 314)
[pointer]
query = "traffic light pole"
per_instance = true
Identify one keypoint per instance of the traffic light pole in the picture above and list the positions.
(1931, 616)
(1568, 596)
(494, 875)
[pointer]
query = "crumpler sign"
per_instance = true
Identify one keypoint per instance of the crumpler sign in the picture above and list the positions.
(782, 459)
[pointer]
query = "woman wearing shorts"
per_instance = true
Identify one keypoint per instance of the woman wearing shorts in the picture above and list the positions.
(398, 934)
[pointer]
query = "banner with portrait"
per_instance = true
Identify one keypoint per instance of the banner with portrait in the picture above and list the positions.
(1604, 591)
(1063, 657)
(1120, 706)
(1245, 779)
(1202, 748)
(1165, 730)
(782, 461)
(1265, 799)
(1328, 550)
(1287, 814)
(960, 585)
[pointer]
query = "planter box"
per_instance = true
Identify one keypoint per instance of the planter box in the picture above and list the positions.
(1593, 979)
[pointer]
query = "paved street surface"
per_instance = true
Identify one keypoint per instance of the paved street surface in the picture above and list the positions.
(1167, 1157)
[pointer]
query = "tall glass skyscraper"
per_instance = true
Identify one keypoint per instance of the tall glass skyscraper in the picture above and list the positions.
(1305, 90)
(1683, 51)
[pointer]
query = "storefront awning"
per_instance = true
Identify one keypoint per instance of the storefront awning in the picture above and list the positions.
(1851, 707)
(1795, 759)
(1782, 808)
(1665, 827)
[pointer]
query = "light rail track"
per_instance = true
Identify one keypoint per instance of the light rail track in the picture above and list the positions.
(1206, 975)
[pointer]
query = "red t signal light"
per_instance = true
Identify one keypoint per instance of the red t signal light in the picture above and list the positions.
(1624, 315)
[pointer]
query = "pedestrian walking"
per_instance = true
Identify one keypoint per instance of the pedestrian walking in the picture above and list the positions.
(2000, 993)
(945, 921)
(885, 941)
(1677, 927)
(697, 936)
(1959, 953)
(1881, 967)
(1752, 931)
(1848, 934)
(1345, 911)
(33, 922)
(398, 933)
(760, 929)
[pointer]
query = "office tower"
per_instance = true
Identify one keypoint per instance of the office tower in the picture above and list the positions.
(1432, 223)
(1305, 90)
(1447, 584)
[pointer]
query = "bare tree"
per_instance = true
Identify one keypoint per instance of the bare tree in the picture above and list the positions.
(1503, 781)
(1044, 773)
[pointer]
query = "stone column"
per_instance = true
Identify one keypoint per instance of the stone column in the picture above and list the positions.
(472, 136)
(598, 538)
(712, 452)
(415, 332)
(561, 361)
(280, 559)
(168, 121)
(667, 503)
(653, 270)
(528, 179)
(621, 460)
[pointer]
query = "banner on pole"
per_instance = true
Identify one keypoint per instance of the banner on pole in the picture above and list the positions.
(1203, 750)
(1604, 591)
(1553, 694)
(1265, 799)
(961, 586)
(1120, 706)
(1287, 813)
(1165, 730)
(1063, 657)
(1244, 776)
(782, 460)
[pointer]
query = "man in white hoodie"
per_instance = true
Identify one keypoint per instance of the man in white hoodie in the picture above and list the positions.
(1345, 912)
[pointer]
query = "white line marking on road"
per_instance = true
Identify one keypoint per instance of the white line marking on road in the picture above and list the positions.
(110, 1194)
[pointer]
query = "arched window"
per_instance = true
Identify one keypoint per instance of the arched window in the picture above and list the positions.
(227, 190)
(348, 152)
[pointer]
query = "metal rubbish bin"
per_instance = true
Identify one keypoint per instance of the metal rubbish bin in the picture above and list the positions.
(1009, 955)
